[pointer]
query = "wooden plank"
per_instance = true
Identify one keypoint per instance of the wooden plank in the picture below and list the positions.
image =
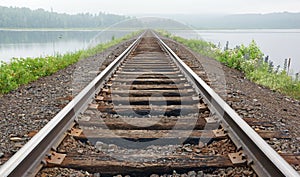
(256, 122)
(293, 159)
(154, 107)
(154, 63)
(137, 73)
(148, 65)
(162, 70)
(143, 66)
(126, 99)
(150, 80)
(165, 134)
(182, 92)
(272, 134)
(145, 124)
(151, 87)
(174, 110)
(162, 164)
(146, 75)
(138, 123)
(145, 134)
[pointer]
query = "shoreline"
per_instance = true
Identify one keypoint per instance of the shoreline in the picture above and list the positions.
(206, 34)
(66, 29)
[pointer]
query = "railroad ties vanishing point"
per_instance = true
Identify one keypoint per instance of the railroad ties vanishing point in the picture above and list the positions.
(149, 113)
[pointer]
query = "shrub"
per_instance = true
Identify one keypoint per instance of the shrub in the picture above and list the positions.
(249, 60)
(24, 70)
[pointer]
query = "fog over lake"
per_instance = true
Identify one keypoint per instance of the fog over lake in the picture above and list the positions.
(278, 44)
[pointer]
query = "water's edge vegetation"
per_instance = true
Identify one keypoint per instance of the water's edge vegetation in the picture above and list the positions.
(249, 60)
(20, 71)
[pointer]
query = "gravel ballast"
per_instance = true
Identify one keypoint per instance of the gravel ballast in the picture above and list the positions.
(27, 109)
(250, 100)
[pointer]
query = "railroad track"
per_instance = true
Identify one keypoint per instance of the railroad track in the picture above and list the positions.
(146, 113)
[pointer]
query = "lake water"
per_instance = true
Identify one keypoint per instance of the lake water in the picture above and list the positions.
(30, 43)
(277, 43)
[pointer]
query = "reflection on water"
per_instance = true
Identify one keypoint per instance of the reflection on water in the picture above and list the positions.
(278, 44)
(17, 43)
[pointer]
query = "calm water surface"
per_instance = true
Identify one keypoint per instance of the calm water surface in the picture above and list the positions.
(18, 43)
(278, 44)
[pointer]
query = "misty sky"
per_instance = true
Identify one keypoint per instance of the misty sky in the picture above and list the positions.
(130, 7)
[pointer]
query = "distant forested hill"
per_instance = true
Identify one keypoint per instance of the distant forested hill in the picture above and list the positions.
(273, 20)
(282, 20)
(11, 17)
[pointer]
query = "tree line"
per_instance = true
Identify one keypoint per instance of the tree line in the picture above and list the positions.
(280, 20)
(14, 17)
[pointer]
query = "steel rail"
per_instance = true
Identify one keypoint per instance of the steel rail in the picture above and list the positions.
(261, 156)
(31, 155)
(266, 162)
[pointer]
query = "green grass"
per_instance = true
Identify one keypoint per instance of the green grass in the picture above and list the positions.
(21, 71)
(247, 59)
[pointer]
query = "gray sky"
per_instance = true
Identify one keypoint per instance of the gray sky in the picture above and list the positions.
(129, 7)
